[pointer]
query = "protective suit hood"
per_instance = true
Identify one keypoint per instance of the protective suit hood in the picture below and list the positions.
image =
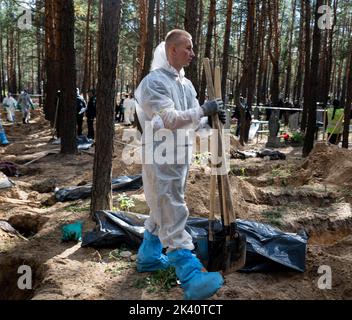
(160, 62)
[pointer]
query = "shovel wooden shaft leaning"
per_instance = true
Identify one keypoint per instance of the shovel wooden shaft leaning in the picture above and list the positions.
(227, 249)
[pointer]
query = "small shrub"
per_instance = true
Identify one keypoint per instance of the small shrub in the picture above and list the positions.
(125, 202)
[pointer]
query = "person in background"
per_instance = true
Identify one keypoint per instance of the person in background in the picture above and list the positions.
(91, 113)
(129, 106)
(25, 103)
(81, 107)
(334, 122)
(9, 104)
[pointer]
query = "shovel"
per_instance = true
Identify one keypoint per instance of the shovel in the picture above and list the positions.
(227, 247)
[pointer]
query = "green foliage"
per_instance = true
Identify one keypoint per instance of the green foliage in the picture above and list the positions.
(273, 217)
(283, 174)
(161, 280)
(243, 172)
(125, 202)
(297, 137)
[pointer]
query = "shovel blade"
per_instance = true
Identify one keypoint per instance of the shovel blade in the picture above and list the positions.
(235, 252)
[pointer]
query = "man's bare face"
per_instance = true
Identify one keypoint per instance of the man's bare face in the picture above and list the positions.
(184, 52)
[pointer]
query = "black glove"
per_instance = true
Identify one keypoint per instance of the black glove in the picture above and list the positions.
(212, 107)
(222, 117)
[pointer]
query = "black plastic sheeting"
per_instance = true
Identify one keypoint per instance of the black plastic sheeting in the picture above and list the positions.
(120, 184)
(268, 249)
(272, 154)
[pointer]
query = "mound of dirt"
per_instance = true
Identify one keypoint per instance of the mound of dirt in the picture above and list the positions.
(330, 164)
(198, 194)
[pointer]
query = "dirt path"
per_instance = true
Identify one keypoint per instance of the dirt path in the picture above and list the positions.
(293, 194)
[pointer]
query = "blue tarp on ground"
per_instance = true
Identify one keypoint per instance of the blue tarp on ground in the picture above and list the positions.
(268, 249)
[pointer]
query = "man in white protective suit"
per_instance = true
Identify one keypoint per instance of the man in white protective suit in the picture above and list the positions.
(129, 104)
(167, 104)
(9, 104)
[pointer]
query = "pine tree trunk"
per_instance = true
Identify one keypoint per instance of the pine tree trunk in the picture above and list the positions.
(344, 83)
(102, 171)
(157, 17)
(207, 52)
(39, 40)
(260, 53)
(225, 56)
(86, 52)
(297, 91)
(191, 25)
(68, 77)
(314, 82)
(19, 70)
(164, 20)
(52, 83)
(273, 13)
(306, 89)
(289, 59)
(148, 46)
(348, 104)
(12, 82)
(200, 44)
(142, 38)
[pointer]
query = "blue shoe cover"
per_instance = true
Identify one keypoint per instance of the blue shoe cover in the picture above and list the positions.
(3, 138)
(196, 283)
(150, 257)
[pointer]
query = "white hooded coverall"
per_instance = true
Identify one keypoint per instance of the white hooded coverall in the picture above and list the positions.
(10, 106)
(168, 100)
(130, 107)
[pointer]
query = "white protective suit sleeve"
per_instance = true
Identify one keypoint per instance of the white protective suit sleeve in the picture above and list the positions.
(157, 102)
(157, 90)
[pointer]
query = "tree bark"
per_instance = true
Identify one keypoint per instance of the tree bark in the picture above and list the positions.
(157, 17)
(142, 38)
(348, 104)
(297, 90)
(306, 89)
(148, 46)
(225, 56)
(68, 77)
(191, 25)
(52, 38)
(87, 61)
(289, 59)
(273, 13)
(314, 82)
(207, 53)
(108, 51)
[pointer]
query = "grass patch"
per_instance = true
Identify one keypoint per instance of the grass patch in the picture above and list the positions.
(282, 174)
(274, 217)
(161, 280)
(120, 267)
(76, 208)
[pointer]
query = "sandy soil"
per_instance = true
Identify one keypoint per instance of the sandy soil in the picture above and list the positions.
(312, 194)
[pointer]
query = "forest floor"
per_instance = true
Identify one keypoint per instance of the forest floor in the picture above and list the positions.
(314, 194)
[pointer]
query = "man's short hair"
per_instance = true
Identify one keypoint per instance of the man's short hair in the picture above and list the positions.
(174, 36)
